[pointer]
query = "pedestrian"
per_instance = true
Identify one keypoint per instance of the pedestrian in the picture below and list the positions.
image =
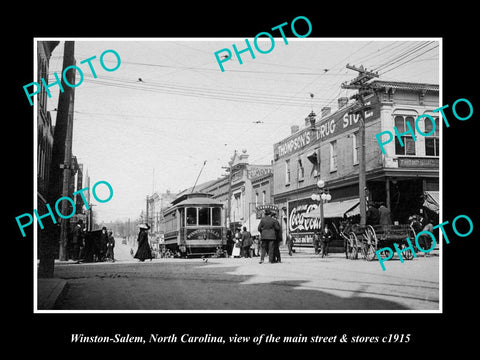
(77, 240)
(255, 246)
(110, 246)
(237, 247)
(326, 238)
(230, 243)
(246, 242)
(316, 242)
(143, 250)
(102, 250)
(276, 244)
(385, 218)
(290, 241)
(373, 214)
(268, 229)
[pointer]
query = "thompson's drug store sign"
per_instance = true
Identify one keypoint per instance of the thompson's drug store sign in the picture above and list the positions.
(331, 126)
(299, 227)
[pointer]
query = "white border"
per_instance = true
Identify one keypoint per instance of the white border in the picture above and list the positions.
(35, 231)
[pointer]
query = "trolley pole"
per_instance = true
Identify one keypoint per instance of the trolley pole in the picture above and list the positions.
(361, 84)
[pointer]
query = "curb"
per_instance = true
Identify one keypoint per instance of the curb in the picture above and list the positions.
(49, 292)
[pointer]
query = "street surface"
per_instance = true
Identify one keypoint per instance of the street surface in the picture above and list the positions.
(303, 281)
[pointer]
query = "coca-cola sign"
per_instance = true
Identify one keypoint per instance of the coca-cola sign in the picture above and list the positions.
(297, 223)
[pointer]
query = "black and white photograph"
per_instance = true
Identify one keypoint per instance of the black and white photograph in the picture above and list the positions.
(220, 178)
(242, 181)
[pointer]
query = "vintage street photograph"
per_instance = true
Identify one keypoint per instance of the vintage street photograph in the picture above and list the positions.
(264, 174)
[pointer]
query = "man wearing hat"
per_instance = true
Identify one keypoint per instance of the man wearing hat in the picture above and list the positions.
(268, 229)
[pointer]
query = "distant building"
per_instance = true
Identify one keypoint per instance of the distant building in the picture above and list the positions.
(157, 202)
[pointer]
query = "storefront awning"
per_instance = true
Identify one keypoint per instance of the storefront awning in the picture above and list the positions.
(336, 209)
(432, 200)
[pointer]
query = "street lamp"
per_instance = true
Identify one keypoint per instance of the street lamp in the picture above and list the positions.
(322, 197)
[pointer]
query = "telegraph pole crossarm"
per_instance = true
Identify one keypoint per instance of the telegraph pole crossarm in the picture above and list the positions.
(361, 84)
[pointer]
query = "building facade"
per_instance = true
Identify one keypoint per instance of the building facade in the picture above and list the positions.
(329, 151)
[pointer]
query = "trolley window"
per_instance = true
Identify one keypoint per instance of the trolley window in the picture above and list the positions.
(216, 216)
(191, 216)
(204, 216)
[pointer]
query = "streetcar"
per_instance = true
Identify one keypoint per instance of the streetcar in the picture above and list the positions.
(193, 225)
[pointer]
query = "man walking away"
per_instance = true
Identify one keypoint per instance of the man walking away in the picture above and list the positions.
(246, 242)
(268, 229)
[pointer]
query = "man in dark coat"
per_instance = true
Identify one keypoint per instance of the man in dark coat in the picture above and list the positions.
(276, 244)
(102, 249)
(385, 218)
(143, 250)
(110, 246)
(268, 229)
(77, 240)
(373, 214)
(247, 241)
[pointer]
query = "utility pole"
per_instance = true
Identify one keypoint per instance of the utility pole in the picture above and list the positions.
(62, 151)
(229, 200)
(361, 83)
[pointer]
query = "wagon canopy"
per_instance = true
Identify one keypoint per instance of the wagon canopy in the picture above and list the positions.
(431, 200)
(336, 209)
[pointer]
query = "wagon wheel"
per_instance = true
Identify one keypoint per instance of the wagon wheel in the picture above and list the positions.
(370, 235)
(412, 235)
(407, 254)
(348, 248)
(370, 252)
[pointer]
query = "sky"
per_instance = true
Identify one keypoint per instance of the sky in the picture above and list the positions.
(152, 123)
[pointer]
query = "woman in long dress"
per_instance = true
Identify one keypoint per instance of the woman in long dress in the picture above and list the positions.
(143, 250)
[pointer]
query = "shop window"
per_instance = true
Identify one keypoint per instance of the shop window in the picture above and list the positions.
(432, 142)
(301, 170)
(333, 156)
(408, 147)
(287, 172)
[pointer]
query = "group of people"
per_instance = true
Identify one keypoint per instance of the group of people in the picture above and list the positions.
(243, 244)
(378, 214)
(85, 247)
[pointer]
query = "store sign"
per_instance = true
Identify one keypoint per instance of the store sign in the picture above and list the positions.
(256, 172)
(332, 126)
(299, 227)
(418, 162)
